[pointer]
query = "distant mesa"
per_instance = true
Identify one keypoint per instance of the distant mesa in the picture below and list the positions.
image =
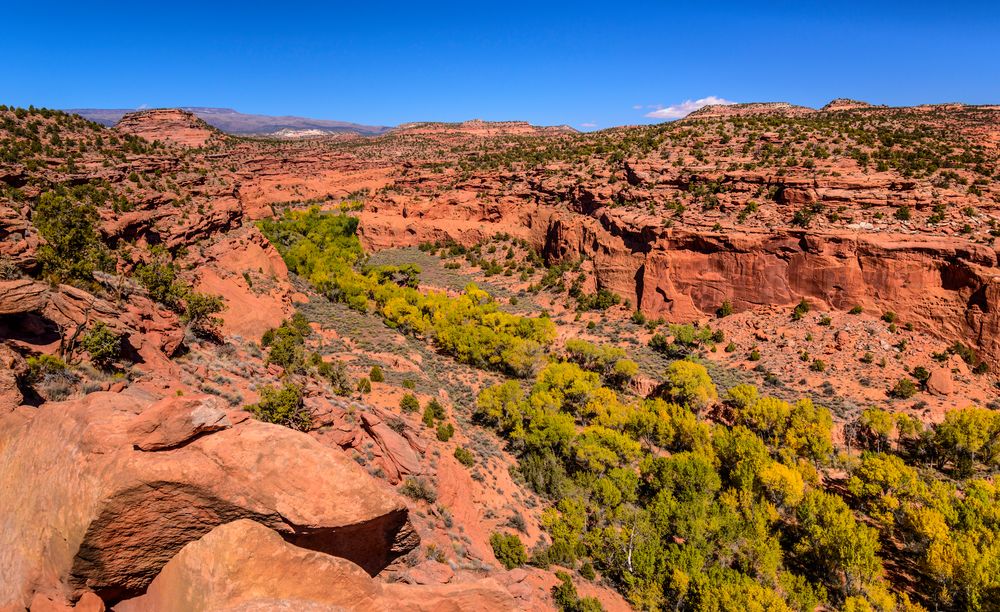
(785, 109)
(483, 128)
(168, 125)
(843, 104)
(714, 111)
(243, 124)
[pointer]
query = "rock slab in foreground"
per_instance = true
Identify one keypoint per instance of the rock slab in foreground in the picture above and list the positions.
(245, 566)
(94, 512)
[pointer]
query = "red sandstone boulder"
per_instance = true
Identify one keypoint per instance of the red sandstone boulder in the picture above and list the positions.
(96, 513)
(401, 458)
(245, 566)
(429, 572)
(173, 421)
(940, 382)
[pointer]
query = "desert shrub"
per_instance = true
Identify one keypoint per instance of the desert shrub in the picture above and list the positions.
(335, 373)
(376, 374)
(102, 344)
(800, 310)
(199, 311)
(566, 598)
(282, 406)
(464, 456)
(159, 277)
(903, 389)
(508, 549)
(364, 385)
(285, 345)
(433, 412)
(445, 431)
(602, 300)
(8, 269)
(41, 366)
(409, 403)
(73, 249)
(419, 489)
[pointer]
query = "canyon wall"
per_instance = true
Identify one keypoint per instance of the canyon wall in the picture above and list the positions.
(946, 287)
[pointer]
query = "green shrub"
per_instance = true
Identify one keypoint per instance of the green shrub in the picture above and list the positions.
(725, 310)
(103, 345)
(282, 406)
(464, 456)
(800, 310)
(856, 310)
(903, 389)
(433, 412)
(508, 549)
(602, 300)
(364, 385)
(199, 309)
(159, 277)
(335, 373)
(409, 403)
(285, 346)
(566, 599)
(419, 489)
(445, 431)
(44, 365)
(376, 374)
(73, 249)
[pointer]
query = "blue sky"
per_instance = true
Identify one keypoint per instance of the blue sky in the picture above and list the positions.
(587, 64)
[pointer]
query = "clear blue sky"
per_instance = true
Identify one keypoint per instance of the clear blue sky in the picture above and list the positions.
(581, 63)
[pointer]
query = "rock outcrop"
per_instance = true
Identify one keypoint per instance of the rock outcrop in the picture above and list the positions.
(243, 565)
(51, 315)
(12, 369)
(111, 486)
(168, 125)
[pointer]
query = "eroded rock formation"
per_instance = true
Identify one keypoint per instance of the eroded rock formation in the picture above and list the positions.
(111, 486)
(243, 565)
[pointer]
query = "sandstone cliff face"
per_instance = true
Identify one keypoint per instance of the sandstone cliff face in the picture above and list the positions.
(946, 287)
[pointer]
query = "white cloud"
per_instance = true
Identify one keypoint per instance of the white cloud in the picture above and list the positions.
(637, 106)
(686, 107)
(588, 125)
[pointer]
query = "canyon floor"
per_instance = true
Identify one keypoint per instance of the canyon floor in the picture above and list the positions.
(149, 275)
